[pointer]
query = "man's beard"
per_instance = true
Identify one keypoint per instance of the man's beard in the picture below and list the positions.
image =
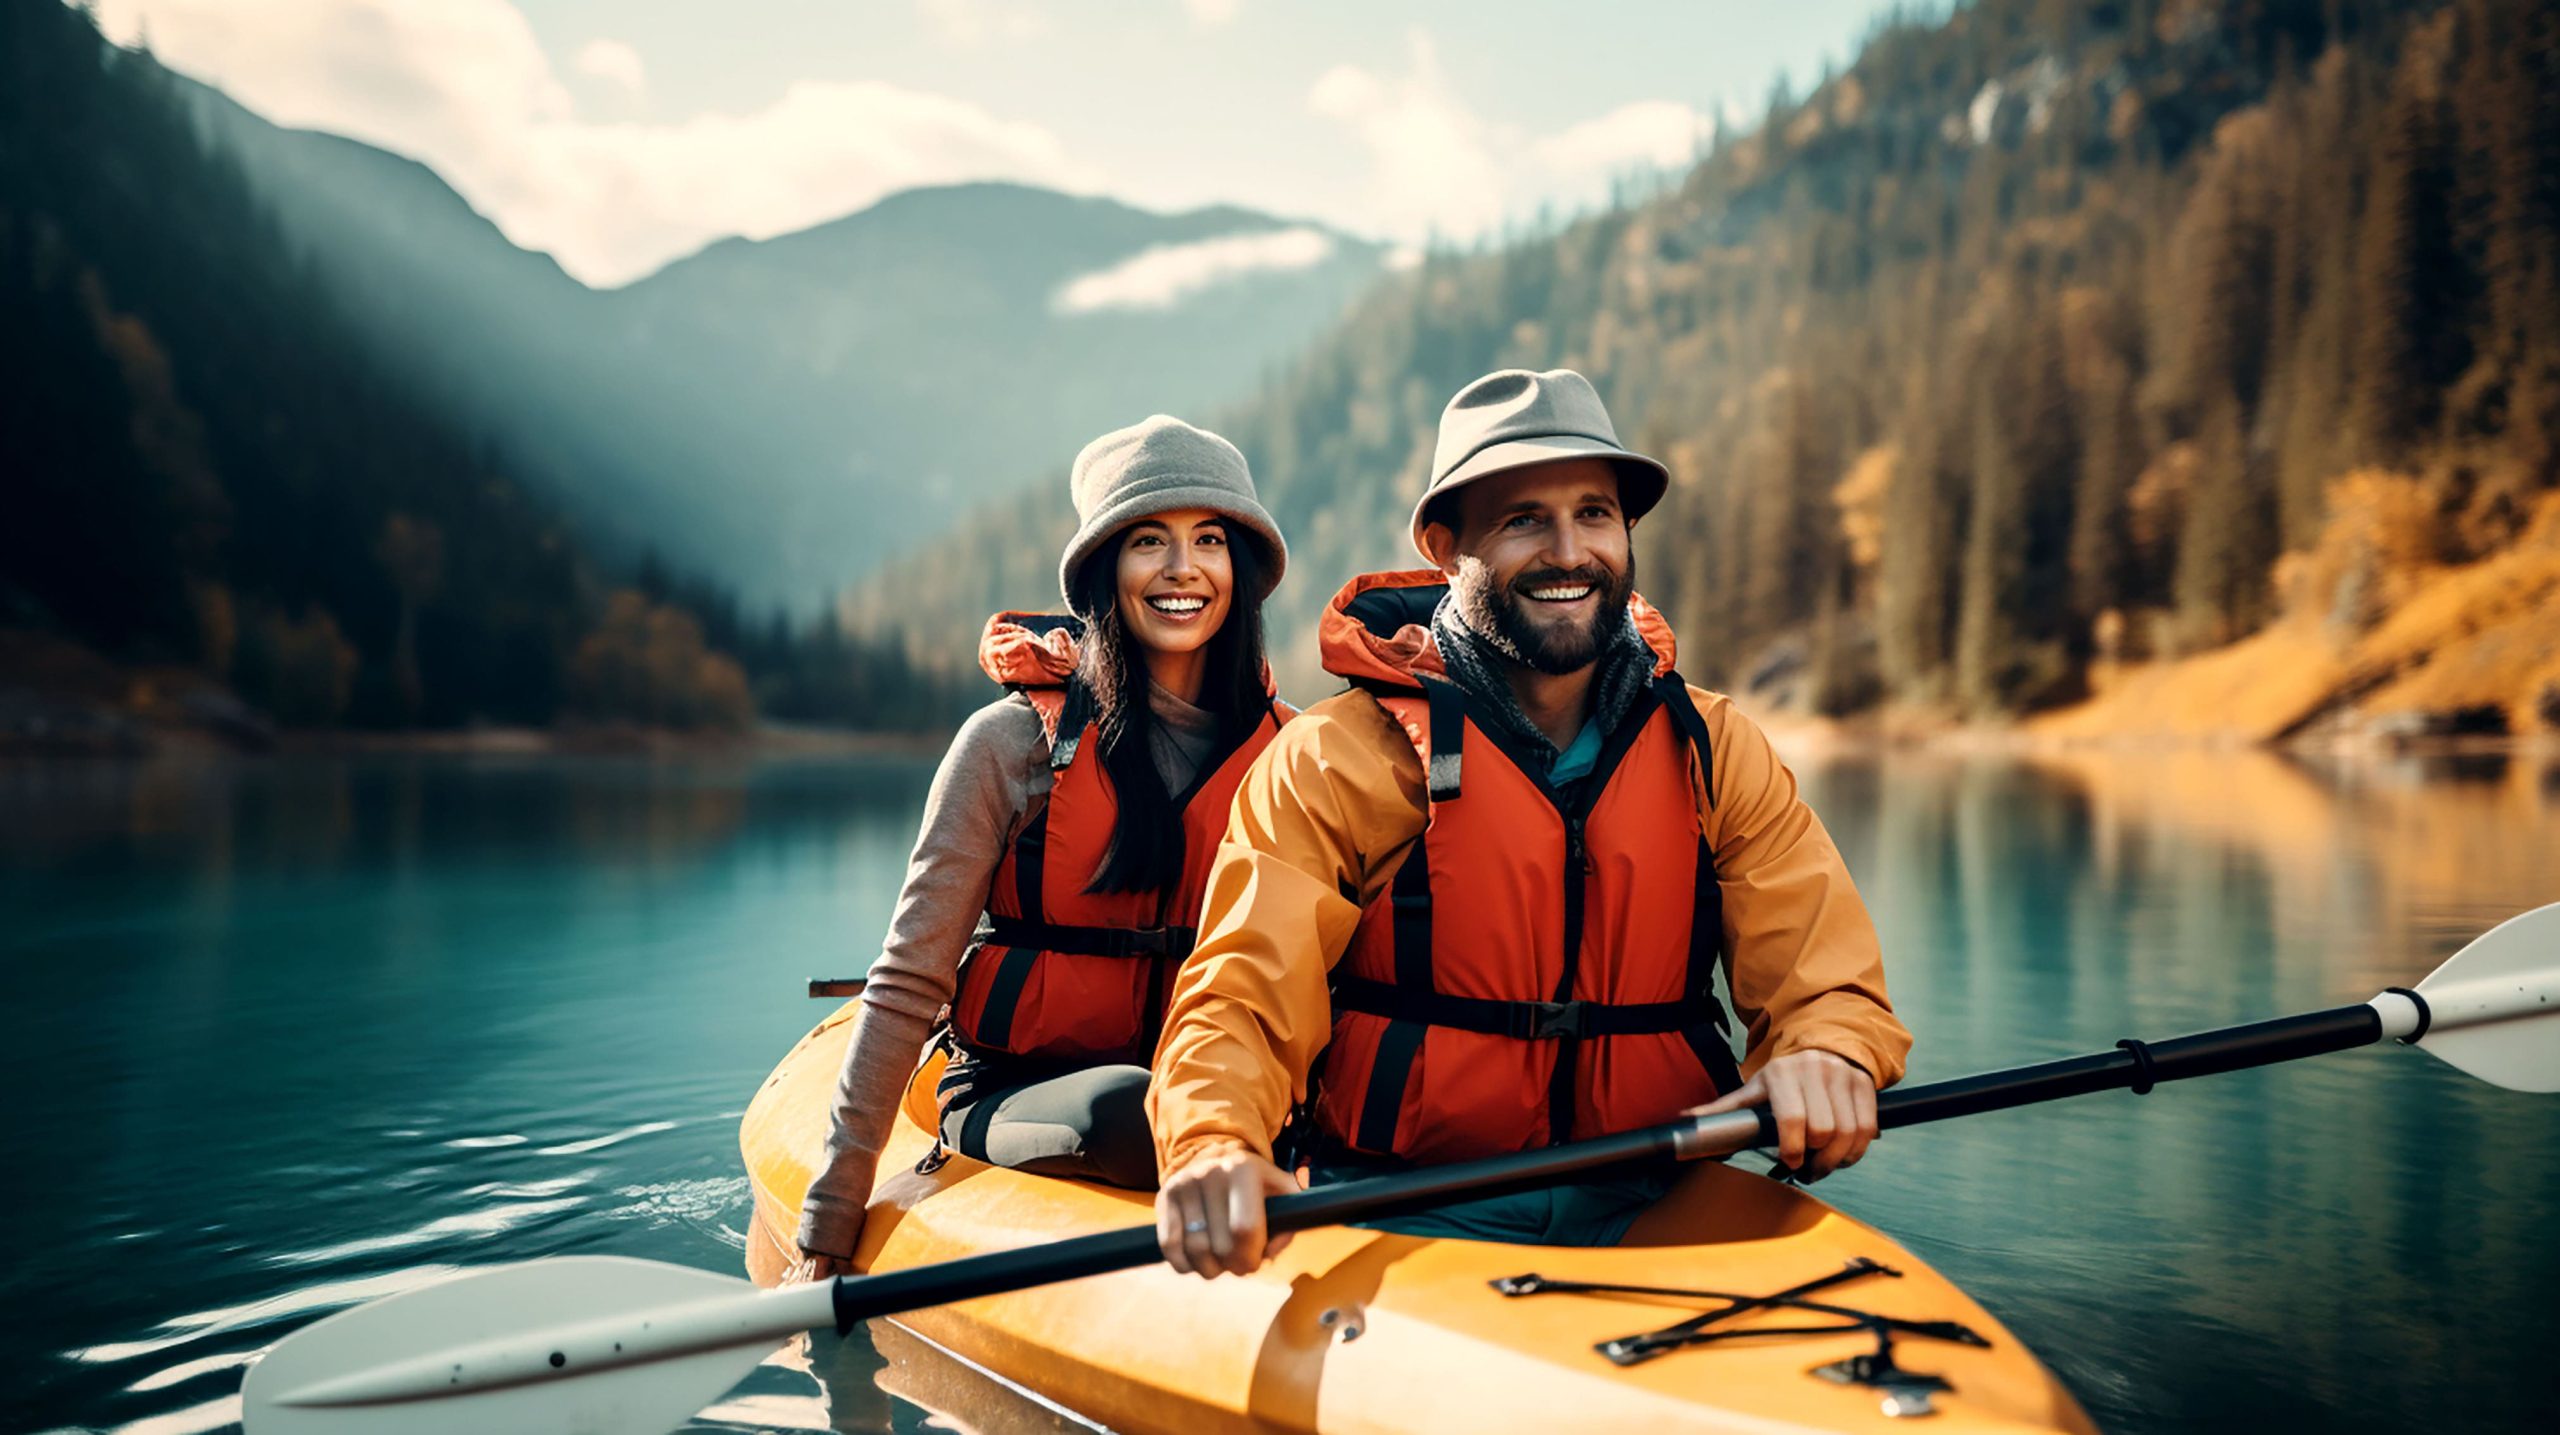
(1500, 615)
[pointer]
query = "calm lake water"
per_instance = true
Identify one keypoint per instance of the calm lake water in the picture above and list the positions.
(284, 1035)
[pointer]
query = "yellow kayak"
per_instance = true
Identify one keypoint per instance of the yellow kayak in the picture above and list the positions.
(1354, 1330)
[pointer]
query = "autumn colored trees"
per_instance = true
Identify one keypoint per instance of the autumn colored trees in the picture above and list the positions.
(2033, 340)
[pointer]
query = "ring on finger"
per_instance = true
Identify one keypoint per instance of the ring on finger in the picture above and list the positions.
(1195, 1226)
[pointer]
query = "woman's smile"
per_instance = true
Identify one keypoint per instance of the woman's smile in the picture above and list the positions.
(1179, 607)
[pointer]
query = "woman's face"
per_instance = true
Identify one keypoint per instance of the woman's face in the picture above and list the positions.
(1176, 579)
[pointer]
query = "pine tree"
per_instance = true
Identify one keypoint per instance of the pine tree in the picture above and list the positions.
(2226, 548)
(2409, 277)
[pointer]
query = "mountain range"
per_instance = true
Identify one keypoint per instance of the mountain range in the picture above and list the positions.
(777, 416)
(2041, 345)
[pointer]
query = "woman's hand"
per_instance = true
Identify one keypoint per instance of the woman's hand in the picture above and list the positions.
(1209, 1217)
(835, 1223)
(816, 1266)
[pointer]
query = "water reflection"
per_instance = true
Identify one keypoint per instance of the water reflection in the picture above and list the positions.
(2348, 1240)
(292, 1033)
(323, 813)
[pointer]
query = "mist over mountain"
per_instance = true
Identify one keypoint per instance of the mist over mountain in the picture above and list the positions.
(781, 415)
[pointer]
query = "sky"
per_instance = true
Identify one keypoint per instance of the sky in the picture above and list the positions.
(617, 135)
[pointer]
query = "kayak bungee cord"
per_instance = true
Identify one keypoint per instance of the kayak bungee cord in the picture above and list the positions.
(1907, 1392)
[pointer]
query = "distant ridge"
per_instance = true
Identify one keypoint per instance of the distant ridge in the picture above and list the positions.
(782, 414)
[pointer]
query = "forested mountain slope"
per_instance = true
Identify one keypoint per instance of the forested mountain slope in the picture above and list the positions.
(216, 485)
(2023, 349)
(202, 465)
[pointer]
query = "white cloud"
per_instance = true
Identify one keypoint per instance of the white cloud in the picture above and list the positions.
(1440, 168)
(970, 23)
(1210, 13)
(1161, 276)
(613, 62)
(1648, 134)
(464, 86)
(1434, 160)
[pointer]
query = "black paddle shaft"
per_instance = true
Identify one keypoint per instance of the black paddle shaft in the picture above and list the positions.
(1335, 1203)
(2133, 1064)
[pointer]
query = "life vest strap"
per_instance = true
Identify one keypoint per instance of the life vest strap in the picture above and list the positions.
(1524, 1021)
(1448, 709)
(1673, 692)
(1026, 935)
(1073, 714)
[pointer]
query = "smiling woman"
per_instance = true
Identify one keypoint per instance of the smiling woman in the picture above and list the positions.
(1057, 880)
(1168, 591)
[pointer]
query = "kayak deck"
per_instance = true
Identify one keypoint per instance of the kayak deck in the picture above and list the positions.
(1354, 1330)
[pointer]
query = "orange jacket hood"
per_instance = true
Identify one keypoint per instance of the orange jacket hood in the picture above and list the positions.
(1030, 650)
(1377, 629)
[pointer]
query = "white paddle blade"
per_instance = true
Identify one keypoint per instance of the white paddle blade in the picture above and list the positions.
(2494, 1006)
(470, 1312)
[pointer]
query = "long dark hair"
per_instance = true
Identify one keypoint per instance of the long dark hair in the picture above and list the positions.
(1146, 849)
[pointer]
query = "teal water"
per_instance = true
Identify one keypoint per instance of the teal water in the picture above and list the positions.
(284, 1035)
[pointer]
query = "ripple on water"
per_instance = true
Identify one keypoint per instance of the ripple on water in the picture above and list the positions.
(535, 1190)
(707, 1206)
(227, 1324)
(327, 1295)
(194, 1420)
(185, 1371)
(462, 1225)
(615, 1138)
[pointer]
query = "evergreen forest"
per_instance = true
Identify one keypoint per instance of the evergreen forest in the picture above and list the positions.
(212, 479)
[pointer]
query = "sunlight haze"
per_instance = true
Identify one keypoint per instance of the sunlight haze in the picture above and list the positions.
(619, 137)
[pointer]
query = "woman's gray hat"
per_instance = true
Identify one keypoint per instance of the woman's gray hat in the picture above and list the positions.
(1515, 418)
(1159, 465)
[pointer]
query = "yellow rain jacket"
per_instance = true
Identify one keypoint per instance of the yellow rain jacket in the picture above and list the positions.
(1331, 809)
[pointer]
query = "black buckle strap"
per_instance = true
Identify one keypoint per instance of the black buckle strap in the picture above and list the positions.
(1521, 1021)
(1549, 1021)
(1170, 942)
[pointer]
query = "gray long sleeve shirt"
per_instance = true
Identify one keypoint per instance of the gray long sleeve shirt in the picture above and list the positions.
(993, 779)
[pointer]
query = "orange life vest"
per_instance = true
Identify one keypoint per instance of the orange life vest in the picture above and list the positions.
(1542, 965)
(1055, 971)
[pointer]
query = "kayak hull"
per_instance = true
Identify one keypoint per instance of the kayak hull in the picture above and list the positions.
(1364, 1331)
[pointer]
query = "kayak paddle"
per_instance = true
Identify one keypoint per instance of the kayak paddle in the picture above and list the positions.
(609, 1343)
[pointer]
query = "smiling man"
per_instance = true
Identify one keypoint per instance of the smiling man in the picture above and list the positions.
(1478, 903)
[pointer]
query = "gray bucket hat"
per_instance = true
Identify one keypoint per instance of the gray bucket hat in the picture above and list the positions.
(1515, 418)
(1159, 465)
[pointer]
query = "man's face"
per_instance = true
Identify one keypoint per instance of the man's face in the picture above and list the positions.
(1539, 561)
